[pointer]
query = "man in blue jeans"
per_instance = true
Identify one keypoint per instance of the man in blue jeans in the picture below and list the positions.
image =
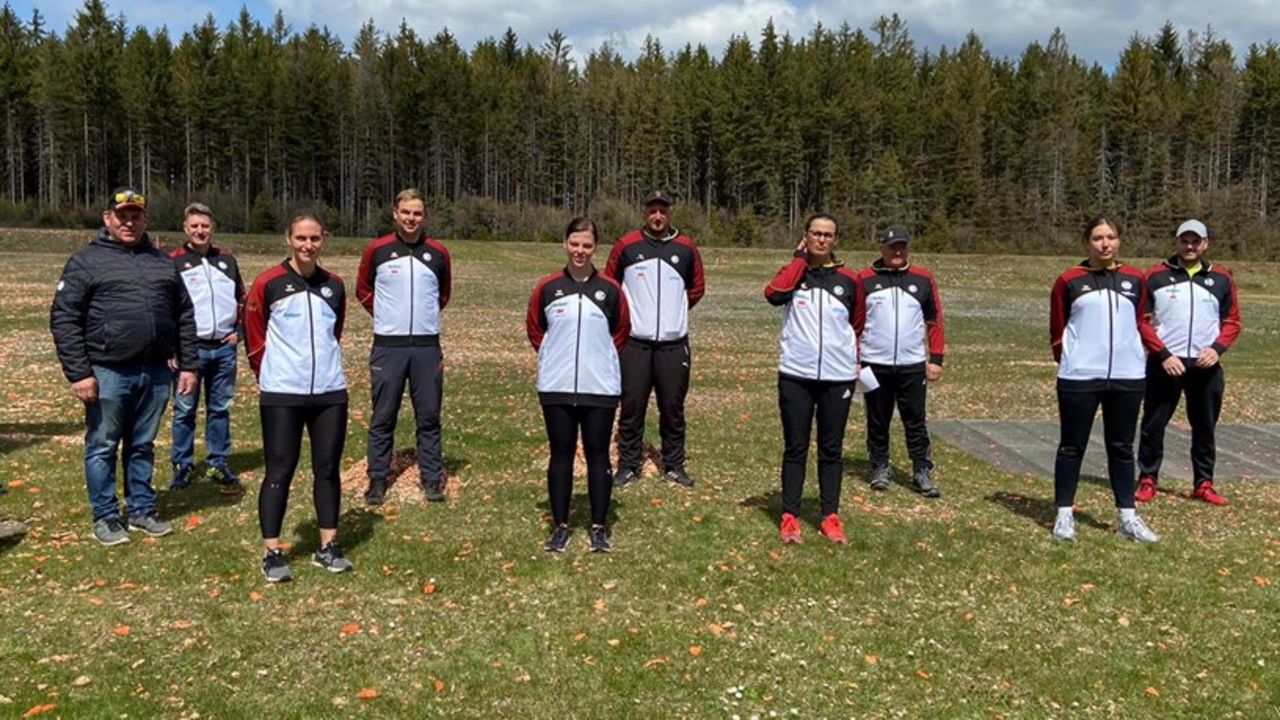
(212, 279)
(119, 314)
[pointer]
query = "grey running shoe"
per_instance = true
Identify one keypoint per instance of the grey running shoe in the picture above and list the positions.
(880, 477)
(1064, 528)
(330, 558)
(181, 477)
(274, 567)
(598, 539)
(377, 492)
(923, 483)
(433, 492)
(150, 524)
(559, 538)
(625, 476)
(1136, 530)
(110, 531)
(677, 476)
(11, 529)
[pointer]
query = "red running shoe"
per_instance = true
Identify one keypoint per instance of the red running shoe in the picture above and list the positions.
(790, 530)
(1146, 491)
(1206, 493)
(832, 529)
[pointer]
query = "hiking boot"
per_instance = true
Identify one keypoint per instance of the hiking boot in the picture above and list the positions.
(923, 483)
(330, 558)
(377, 492)
(150, 524)
(110, 531)
(881, 476)
(789, 530)
(181, 477)
(1064, 528)
(558, 539)
(832, 529)
(598, 539)
(1204, 491)
(275, 568)
(625, 476)
(677, 476)
(1146, 491)
(433, 492)
(1134, 529)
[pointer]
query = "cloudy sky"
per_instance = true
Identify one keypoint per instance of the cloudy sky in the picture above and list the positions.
(1096, 29)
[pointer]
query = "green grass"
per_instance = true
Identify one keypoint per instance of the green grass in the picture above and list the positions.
(957, 608)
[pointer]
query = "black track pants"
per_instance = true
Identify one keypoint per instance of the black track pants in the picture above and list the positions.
(1076, 410)
(282, 428)
(563, 424)
(663, 369)
(1203, 388)
(423, 368)
(907, 391)
(798, 402)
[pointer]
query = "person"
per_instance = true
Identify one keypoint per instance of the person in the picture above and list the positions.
(212, 279)
(1099, 334)
(118, 315)
(1193, 307)
(404, 282)
(817, 369)
(578, 321)
(293, 328)
(660, 271)
(902, 341)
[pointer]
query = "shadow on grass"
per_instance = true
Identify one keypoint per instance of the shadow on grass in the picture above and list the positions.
(580, 510)
(770, 505)
(355, 526)
(243, 461)
(1040, 510)
(18, 435)
(200, 495)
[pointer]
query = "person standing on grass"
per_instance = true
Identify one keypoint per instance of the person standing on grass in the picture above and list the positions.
(1098, 330)
(817, 369)
(1193, 307)
(660, 271)
(902, 341)
(212, 278)
(404, 281)
(119, 315)
(578, 321)
(293, 328)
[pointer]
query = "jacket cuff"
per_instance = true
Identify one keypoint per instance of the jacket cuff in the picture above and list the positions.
(1163, 354)
(935, 359)
(1218, 348)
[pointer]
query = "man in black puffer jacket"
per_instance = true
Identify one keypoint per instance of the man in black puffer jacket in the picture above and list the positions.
(119, 314)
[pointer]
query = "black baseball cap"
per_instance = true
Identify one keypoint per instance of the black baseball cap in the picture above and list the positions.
(126, 197)
(895, 234)
(657, 196)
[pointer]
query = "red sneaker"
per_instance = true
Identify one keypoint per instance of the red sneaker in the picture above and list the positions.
(1146, 491)
(790, 530)
(1206, 493)
(832, 529)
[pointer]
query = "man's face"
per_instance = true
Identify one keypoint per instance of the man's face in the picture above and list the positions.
(126, 224)
(657, 217)
(410, 215)
(1190, 247)
(199, 230)
(895, 254)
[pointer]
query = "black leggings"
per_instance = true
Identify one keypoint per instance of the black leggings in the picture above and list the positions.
(563, 422)
(282, 444)
(1076, 410)
(797, 401)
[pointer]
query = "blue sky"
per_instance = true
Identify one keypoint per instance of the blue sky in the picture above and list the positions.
(1096, 29)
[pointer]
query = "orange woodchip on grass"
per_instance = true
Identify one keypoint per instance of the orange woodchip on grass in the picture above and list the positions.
(121, 631)
(39, 710)
(367, 694)
(1152, 692)
(350, 629)
(428, 588)
(695, 650)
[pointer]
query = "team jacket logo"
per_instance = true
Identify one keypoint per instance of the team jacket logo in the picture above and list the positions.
(222, 265)
(879, 286)
(912, 288)
(838, 291)
(600, 295)
(288, 287)
(1085, 288)
(327, 292)
(640, 256)
(426, 257)
(1126, 285)
(1208, 282)
(395, 254)
(559, 293)
(675, 260)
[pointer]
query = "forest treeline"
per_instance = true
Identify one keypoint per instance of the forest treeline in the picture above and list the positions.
(509, 138)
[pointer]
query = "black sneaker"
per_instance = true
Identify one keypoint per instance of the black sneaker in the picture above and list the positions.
(924, 484)
(330, 558)
(880, 477)
(677, 476)
(559, 538)
(377, 492)
(433, 492)
(275, 568)
(625, 476)
(181, 477)
(598, 539)
(228, 482)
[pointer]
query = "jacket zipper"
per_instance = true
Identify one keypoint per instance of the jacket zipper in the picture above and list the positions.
(1191, 302)
(1112, 309)
(412, 271)
(896, 320)
(213, 305)
(151, 318)
(311, 323)
(813, 289)
(657, 323)
(577, 349)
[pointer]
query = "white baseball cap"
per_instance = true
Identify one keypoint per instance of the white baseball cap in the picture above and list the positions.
(1193, 226)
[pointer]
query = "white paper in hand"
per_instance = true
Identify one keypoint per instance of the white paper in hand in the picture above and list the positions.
(867, 381)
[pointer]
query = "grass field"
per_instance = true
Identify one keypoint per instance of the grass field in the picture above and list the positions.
(962, 607)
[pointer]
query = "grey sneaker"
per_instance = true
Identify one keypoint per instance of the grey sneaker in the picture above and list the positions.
(275, 568)
(330, 558)
(923, 483)
(150, 524)
(880, 477)
(11, 529)
(1136, 530)
(625, 476)
(1064, 528)
(110, 531)
(598, 539)
(559, 538)
(433, 492)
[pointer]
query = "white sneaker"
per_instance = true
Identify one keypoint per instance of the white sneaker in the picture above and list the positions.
(1064, 528)
(1136, 530)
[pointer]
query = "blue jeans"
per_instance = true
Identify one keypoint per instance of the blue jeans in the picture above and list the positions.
(217, 376)
(131, 400)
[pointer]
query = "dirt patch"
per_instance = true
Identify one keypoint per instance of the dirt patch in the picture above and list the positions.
(404, 481)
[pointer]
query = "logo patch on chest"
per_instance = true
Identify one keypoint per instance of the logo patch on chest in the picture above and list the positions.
(839, 291)
(599, 295)
(327, 292)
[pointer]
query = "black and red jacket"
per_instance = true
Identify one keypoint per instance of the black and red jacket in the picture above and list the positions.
(902, 328)
(663, 280)
(1191, 313)
(578, 328)
(819, 307)
(217, 292)
(293, 328)
(1098, 328)
(404, 286)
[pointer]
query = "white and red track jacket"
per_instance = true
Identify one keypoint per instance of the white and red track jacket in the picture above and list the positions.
(215, 288)
(902, 328)
(819, 306)
(294, 328)
(1098, 328)
(1191, 313)
(663, 280)
(578, 328)
(404, 286)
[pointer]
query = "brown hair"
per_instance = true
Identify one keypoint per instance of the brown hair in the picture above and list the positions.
(1097, 220)
(409, 194)
(808, 224)
(580, 224)
(303, 215)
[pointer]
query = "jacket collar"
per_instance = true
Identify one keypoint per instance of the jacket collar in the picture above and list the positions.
(879, 266)
(672, 233)
(1173, 264)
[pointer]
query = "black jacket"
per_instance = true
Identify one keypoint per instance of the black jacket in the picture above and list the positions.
(121, 305)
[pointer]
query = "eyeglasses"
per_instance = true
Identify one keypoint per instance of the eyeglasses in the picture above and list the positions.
(821, 234)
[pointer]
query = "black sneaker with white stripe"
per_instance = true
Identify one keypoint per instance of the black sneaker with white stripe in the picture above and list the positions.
(275, 568)
(330, 558)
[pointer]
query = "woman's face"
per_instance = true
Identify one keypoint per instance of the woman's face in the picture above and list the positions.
(580, 246)
(304, 240)
(820, 238)
(1103, 244)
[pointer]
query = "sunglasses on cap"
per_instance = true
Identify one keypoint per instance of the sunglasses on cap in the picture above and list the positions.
(128, 197)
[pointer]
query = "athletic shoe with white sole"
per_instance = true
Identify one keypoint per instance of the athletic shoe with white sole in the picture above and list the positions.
(330, 558)
(1134, 529)
(1064, 528)
(110, 531)
(150, 524)
(275, 568)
